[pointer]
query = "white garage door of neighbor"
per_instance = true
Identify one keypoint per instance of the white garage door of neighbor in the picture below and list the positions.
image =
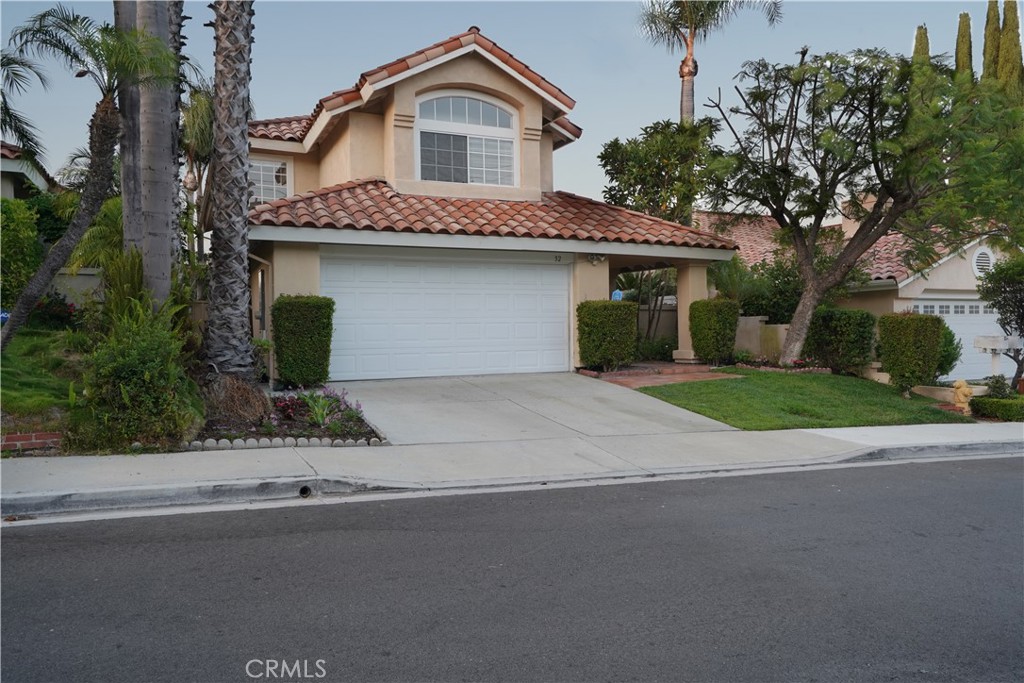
(437, 315)
(968, 318)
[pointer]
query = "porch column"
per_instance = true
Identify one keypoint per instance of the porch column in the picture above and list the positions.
(691, 285)
(591, 279)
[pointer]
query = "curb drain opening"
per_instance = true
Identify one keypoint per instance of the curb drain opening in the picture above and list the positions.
(305, 492)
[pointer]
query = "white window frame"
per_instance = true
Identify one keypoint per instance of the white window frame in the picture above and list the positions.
(469, 130)
(289, 165)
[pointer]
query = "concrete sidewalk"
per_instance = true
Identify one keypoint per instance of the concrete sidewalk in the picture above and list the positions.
(38, 486)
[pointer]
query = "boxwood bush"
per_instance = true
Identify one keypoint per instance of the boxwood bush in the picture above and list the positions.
(607, 333)
(909, 346)
(713, 325)
(1008, 409)
(841, 339)
(302, 328)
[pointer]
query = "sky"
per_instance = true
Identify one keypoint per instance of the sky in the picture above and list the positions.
(591, 50)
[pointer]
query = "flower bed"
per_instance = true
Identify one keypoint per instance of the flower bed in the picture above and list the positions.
(305, 418)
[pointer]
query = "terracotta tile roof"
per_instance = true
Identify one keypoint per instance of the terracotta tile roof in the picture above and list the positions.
(9, 151)
(296, 127)
(753, 235)
(285, 128)
(374, 205)
(754, 238)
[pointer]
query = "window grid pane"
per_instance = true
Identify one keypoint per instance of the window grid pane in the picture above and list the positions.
(929, 310)
(974, 309)
(453, 109)
(269, 181)
(958, 310)
(943, 310)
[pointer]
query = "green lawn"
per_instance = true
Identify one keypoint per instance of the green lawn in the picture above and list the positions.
(780, 400)
(35, 372)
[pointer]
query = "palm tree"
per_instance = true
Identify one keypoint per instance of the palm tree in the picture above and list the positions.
(228, 332)
(679, 24)
(17, 74)
(108, 57)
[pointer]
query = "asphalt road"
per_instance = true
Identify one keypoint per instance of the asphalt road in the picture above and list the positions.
(913, 572)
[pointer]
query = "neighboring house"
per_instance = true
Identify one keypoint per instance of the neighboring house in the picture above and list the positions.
(422, 200)
(19, 175)
(947, 288)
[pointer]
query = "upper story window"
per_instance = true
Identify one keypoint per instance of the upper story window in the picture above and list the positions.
(466, 140)
(270, 178)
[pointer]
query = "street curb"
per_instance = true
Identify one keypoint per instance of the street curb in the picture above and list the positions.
(269, 489)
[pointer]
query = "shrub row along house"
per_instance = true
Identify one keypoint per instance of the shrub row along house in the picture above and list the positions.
(422, 201)
(947, 288)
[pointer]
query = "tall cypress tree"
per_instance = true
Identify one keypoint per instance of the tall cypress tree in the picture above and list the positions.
(990, 65)
(964, 48)
(1010, 70)
(922, 54)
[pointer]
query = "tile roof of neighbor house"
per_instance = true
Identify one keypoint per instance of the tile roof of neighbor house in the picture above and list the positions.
(9, 151)
(754, 237)
(374, 205)
(294, 128)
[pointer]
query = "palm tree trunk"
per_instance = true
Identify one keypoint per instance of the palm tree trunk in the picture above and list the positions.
(228, 332)
(687, 72)
(125, 19)
(158, 162)
(104, 129)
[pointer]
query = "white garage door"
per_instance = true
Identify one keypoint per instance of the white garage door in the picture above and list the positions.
(968, 319)
(423, 313)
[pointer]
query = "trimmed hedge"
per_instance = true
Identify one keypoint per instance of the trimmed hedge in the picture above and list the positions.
(607, 333)
(841, 339)
(713, 325)
(1008, 409)
(302, 328)
(910, 346)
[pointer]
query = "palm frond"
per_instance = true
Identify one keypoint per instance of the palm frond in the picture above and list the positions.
(103, 241)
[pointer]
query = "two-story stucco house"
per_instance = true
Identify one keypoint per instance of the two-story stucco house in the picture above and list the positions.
(421, 199)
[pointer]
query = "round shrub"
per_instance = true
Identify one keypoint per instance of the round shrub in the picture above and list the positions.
(713, 325)
(909, 346)
(841, 339)
(607, 333)
(302, 329)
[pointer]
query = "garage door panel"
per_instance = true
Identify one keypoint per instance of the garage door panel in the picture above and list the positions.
(407, 318)
(968, 319)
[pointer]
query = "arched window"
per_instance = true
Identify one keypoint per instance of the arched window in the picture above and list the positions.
(464, 139)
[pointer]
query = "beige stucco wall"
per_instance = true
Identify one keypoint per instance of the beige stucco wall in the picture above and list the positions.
(954, 275)
(6, 187)
(306, 175)
(470, 72)
(589, 283)
(875, 302)
(296, 268)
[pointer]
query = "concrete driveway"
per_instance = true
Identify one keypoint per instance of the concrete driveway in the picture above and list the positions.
(495, 408)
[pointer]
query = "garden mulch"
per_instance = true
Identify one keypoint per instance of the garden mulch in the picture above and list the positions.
(656, 373)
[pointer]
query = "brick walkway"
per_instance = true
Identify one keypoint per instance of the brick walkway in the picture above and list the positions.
(656, 373)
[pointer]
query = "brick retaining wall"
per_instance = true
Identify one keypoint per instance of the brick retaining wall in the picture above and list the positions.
(23, 442)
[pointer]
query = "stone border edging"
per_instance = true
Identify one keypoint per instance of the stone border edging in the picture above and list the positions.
(278, 442)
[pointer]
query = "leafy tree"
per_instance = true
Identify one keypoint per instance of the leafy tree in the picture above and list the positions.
(108, 57)
(661, 171)
(51, 222)
(17, 72)
(20, 247)
(964, 59)
(1010, 70)
(228, 333)
(679, 24)
(1003, 287)
(990, 54)
(838, 127)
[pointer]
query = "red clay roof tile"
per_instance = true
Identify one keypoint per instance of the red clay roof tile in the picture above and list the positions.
(375, 205)
(295, 128)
